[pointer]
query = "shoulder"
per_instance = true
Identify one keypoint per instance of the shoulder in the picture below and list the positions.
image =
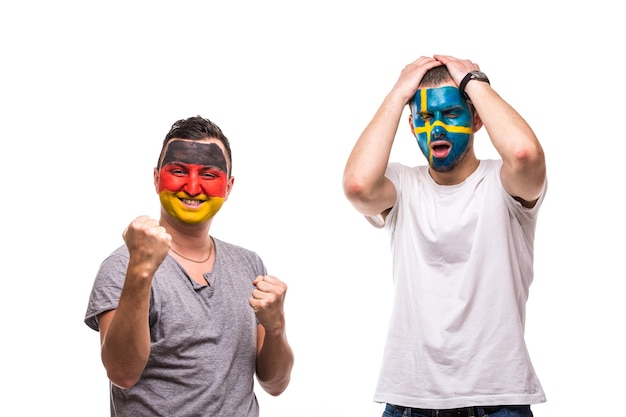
(488, 170)
(118, 259)
(401, 168)
(236, 259)
(231, 247)
(235, 251)
(397, 172)
(489, 166)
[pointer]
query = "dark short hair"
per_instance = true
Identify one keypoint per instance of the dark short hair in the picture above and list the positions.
(197, 128)
(435, 76)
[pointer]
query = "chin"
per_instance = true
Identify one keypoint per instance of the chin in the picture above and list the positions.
(442, 168)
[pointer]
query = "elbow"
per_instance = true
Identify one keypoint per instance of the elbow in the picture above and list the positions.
(529, 154)
(529, 162)
(124, 373)
(276, 392)
(275, 380)
(528, 159)
(122, 382)
(369, 199)
(276, 388)
(355, 189)
(123, 376)
(524, 175)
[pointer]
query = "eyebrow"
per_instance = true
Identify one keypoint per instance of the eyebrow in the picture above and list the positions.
(203, 167)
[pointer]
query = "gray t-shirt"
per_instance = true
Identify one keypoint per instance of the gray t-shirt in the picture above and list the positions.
(203, 338)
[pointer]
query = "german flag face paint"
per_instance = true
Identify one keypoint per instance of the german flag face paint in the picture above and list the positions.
(442, 123)
(192, 180)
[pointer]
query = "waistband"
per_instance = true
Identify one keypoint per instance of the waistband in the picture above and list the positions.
(451, 412)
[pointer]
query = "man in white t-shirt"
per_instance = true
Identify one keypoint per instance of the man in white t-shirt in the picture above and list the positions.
(462, 233)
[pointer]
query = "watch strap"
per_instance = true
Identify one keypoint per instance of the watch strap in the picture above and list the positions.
(470, 76)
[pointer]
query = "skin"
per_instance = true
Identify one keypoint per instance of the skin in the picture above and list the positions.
(523, 172)
(196, 173)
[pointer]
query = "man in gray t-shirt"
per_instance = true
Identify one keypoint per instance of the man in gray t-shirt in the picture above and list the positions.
(186, 320)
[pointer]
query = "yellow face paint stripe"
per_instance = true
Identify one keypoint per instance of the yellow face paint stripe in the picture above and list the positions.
(453, 129)
(427, 127)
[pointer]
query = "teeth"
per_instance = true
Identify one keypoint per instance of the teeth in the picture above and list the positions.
(191, 202)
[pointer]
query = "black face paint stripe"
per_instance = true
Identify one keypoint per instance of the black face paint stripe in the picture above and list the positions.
(196, 153)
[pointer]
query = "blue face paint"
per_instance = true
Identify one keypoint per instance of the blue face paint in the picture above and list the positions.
(442, 123)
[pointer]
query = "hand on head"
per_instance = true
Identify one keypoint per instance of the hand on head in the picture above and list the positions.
(411, 76)
(457, 68)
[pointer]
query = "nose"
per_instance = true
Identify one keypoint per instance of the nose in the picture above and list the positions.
(438, 132)
(192, 187)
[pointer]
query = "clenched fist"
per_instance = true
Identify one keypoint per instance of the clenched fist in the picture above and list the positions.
(267, 301)
(148, 243)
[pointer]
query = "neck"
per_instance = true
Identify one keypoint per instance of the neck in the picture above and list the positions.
(459, 173)
(189, 241)
(195, 255)
(191, 234)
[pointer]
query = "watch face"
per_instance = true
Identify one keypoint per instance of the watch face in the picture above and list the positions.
(479, 75)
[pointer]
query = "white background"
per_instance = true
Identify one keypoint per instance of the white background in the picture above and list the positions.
(89, 90)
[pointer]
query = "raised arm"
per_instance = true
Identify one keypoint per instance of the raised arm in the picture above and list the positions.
(524, 166)
(364, 181)
(274, 355)
(125, 332)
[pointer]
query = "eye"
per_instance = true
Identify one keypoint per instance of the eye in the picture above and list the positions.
(210, 173)
(177, 171)
(425, 116)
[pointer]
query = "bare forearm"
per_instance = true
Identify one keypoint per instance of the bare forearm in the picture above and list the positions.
(274, 363)
(125, 344)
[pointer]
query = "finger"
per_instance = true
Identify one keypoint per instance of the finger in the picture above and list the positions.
(275, 288)
(258, 304)
(269, 278)
(254, 304)
(266, 293)
(423, 60)
(257, 294)
(262, 281)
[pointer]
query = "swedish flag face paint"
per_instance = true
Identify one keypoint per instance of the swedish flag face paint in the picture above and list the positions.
(442, 122)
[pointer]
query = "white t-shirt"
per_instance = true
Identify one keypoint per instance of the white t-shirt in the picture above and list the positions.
(462, 267)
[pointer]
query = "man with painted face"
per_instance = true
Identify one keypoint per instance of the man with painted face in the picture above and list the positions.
(462, 233)
(186, 320)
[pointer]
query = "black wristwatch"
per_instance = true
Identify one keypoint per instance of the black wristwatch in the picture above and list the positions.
(472, 75)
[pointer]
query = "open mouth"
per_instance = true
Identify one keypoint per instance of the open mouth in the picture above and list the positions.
(440, 149)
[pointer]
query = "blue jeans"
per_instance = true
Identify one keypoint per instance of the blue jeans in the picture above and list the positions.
(507, 411)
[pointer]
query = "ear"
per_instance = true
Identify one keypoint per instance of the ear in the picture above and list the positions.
(411, 125)
(478, 123)
(229, 187)
(155, 176)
